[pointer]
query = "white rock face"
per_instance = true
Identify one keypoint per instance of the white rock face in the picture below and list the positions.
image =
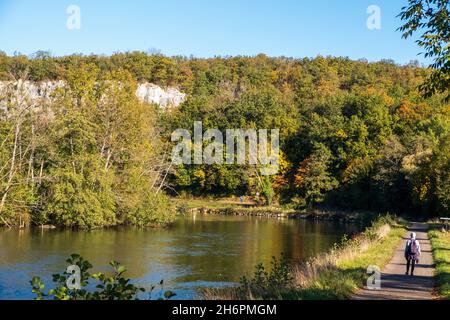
(146, 92)
(150, 93)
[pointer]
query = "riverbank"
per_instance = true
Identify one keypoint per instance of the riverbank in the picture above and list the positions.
(230, 206)
(334, 275)
(440, 242)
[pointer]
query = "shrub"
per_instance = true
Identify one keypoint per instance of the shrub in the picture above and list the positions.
(266, 284)
(80, 200)
(154, 209)
(109, 287)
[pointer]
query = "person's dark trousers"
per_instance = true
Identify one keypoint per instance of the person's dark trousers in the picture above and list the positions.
(412, 263)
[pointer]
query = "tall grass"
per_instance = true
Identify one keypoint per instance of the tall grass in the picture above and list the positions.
(333, 275)
(440, 242)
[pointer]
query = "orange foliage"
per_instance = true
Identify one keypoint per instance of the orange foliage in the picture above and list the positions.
(413, 112)
(301, 172)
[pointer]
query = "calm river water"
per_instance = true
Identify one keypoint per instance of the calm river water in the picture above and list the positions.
(197, 251)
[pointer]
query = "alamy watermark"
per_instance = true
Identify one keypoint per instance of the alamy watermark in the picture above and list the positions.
(208, 147)
(374, 280)
(73, 281)
(373, 22)
(74, 19)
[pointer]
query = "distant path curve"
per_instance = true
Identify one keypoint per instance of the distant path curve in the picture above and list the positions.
(395, 285)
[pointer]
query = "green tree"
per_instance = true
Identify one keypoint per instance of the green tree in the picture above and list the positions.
(431, 19)
(313, 178)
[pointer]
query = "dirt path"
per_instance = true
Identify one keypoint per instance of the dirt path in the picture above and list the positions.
(395, 285)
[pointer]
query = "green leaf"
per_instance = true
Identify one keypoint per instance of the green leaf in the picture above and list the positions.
(169, 294)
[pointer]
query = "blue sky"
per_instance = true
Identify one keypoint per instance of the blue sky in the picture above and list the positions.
(205, 28)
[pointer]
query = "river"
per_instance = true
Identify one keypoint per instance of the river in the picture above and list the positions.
(197, 251)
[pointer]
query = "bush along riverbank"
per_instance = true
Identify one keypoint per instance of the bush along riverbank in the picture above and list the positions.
(440, 242)
(336, 274)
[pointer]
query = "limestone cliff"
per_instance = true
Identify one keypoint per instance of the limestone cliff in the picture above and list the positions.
(146, 92)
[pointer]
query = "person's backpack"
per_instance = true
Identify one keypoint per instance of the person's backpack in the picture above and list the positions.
(412, 248)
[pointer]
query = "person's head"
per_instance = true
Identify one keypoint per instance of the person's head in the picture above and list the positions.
(413, 235)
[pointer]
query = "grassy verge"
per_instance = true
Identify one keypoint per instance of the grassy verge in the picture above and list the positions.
(232, 206)
(440, 242)
(207, 203)
(334, 275)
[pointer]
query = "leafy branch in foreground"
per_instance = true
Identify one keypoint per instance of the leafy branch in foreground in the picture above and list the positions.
(430, 19)
(76, 286)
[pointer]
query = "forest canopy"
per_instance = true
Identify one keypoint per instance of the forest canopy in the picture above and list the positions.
(354, 135)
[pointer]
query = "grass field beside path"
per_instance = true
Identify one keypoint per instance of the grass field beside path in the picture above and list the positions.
(440, 242)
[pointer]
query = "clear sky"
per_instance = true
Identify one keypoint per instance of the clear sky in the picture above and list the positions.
(205, 28)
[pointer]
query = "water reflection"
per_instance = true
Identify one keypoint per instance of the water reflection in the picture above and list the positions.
(196, 251)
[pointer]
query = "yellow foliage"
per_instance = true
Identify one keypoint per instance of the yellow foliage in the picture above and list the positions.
(422, 190)
(199, 174)
(341, 134)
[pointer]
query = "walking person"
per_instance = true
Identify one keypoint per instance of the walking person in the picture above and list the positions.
(412, 253)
